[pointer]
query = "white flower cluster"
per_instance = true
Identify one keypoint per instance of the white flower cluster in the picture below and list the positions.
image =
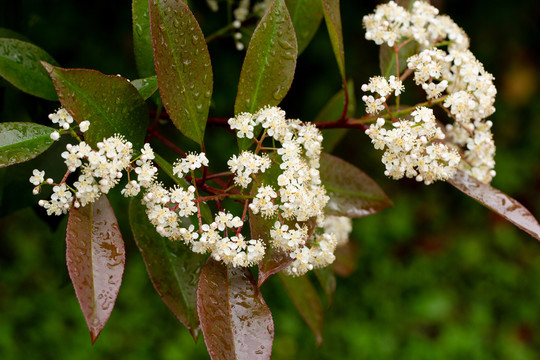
(392, 23)
(381, 86)
(299, 198)
(64, 120)
(413, 148)
(454, 75)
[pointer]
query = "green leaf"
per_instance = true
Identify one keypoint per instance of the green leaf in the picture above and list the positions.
(10, 34)
(235, 320)
(306, 16)
(327, 279)
(146, 87)
(95, 257)
(332, 16)
(22, 141)
(142, 41)
(504, 205)
(352, 193)
(173, 268)
(270, 61)
(408, 4)
(182, 65)
(387, 58)
(331, 112)
(110, 103)
(307, 302)
(20, 65)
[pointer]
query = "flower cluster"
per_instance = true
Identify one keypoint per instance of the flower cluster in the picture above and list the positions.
(381, 86)
(453, 77)
(413, 148)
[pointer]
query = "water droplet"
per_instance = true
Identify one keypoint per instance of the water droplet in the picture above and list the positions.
(285, 44)
(176, 23)
(277, 94)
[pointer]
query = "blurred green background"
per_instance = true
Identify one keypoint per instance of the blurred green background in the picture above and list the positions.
(437, 276)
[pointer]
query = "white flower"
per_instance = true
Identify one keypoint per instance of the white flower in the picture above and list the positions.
(84, 126)
(37, 177)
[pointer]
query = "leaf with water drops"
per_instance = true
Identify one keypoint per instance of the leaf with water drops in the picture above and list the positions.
(331, 112)
(235, 320)
(268, 68)
(387, 58)
(352, 193)
(22, 141)
(182, 65)
(173, 268)
(506, 206)
(307, 302)
(142, 40)
(95, 259)
(306, 16)
(332, 16)
(20, 65)
(111, 104)
(146, 87)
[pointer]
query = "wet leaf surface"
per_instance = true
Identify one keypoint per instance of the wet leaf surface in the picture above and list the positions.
(95, 259)
(182, 65)
(146, 86)
(268, 68)
(352, 193)
(306, 16)
(332, 16)
(109, 102)
(235, 320)
(20, 65)
(142, 40)
(22, 141)
(173, 268)
(506, 206)
(307, 302)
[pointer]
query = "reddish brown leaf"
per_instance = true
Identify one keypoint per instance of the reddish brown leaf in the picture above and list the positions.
(95, 259)
(504, 205)
(352, 193)
(235, 320)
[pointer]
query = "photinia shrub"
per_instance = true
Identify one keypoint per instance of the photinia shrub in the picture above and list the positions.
(212, 234)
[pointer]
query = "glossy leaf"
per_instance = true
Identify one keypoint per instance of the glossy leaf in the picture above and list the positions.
(306, 17)
(352, 193)
(173, 268)
(332, 111)
(509, 208)
(270, 61)
(235, 320)
(146, 87)
(387, 58)
(327, 279)
(20, 65)
(142, 41)
(182, 65)
(307, 302)
(22, 141)
(109, 102)
(332, 16)
(95, 259)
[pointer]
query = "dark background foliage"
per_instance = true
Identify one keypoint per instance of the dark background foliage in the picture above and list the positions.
(438, 276)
